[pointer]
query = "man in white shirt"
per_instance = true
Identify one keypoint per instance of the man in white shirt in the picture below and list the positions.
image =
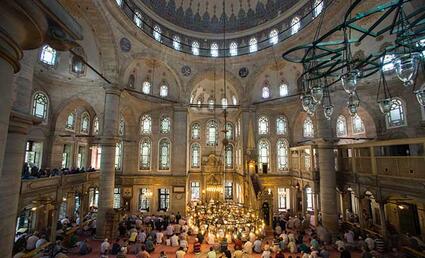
(370, 243)
(180, 253)
(159, 236)
(174, 240)
(211, 253)
(104, 247)
(31, 241)
(247, 247)
(349, 236)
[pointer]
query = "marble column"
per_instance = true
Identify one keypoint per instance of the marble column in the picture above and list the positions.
(107, 165)
(328, 201)
(6, 75)
(10, 179)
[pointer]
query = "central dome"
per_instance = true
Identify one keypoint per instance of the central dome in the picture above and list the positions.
(210, 15)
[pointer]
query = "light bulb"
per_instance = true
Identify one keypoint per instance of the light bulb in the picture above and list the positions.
(420, 96)
(317, 93)
(305, 101)
(328, 111)
(385, 105)
(406, 67)
(349, 81)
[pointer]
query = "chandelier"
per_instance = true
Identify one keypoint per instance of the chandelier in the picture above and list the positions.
(224, 219)
(328, 60)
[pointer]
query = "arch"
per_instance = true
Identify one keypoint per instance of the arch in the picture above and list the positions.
(76, 105)
(263, 152)
(40, 105)
(341, 126)
(281, 125)
(212, 133)
(308, 128)
(145, 154)
(263, 125)
(397, 115)
(146, 124)
(165, 124)
(195, 131)
(195, 157)
(282, 153)
(295, 25)
(164, 154)
(233, 48)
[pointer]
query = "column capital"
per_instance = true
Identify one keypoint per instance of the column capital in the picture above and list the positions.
(112, 89)
(20, 122)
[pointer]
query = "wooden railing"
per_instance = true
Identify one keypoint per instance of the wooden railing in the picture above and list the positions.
(373, 158)
(30, 185)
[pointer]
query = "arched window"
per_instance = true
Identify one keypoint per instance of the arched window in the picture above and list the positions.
(308, 129)
(176, 42)
(273, 37)
(165, 124)
(233, 49)
(196, 131)
(163, 91)
(119, 2)
(214, 49)
(281, 125)
(157, 33)
(341, 126)
(146, 124)
(130, 83)
(234, 100)
(229, 131)
(224, 103)
(138, 19)
(77, 65)
(211, 104)
(282, 154)
(265, 92)
(121, 127)
(145, 154)
(95, 125)
(229, 156)
(212, 133)
(263, 152)
(40, 105)
(253, 47)
(48, 55)
(196, 155)
(396, 117)
(283, 90)
(195, 48)
(164, 154)
(146, 88)
(118, 155)
(358, 126)
(70, 121)
(309, 197)
(85, 123)
(318, 8)
(295, 25)
(263, 125)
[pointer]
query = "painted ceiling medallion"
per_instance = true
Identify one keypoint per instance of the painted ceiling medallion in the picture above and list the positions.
(186, 70)
(125, 45)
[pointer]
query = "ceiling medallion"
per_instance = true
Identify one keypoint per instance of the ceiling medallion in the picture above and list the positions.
(186, 71)
(243, 72)
(125, 45)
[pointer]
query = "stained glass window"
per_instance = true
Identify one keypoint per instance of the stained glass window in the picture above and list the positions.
(273, 37)
(282, 154)
(295, 25)
(138, 19)
(40, 105)
(229, 131)
(358, 126)
(283, 90)
(263, 152)
(195, 190)
(212, 133)
(196, 155)
(157, 33)
(85, 123)
(233, 49)
(229, 156)
(144, 202)
(195, 48)
(196, 131)
(48, 55)
(164, 154)
(318, 7)
(96, 125)
(146, 124)
(308, 130)
(341, 126)
(165, 124)
(118, 155)
(163, 91)
(214, 49)
(176, 42)
(396, 117)
(253, 45)
(146, 88)
(70, 121)
(145, 154)
(281, 125)
(263, 125)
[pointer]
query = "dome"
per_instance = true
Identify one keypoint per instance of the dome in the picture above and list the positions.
(210, 16)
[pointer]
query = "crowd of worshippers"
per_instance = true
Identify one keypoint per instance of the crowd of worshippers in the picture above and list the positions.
(31, 172)
(27, 242)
